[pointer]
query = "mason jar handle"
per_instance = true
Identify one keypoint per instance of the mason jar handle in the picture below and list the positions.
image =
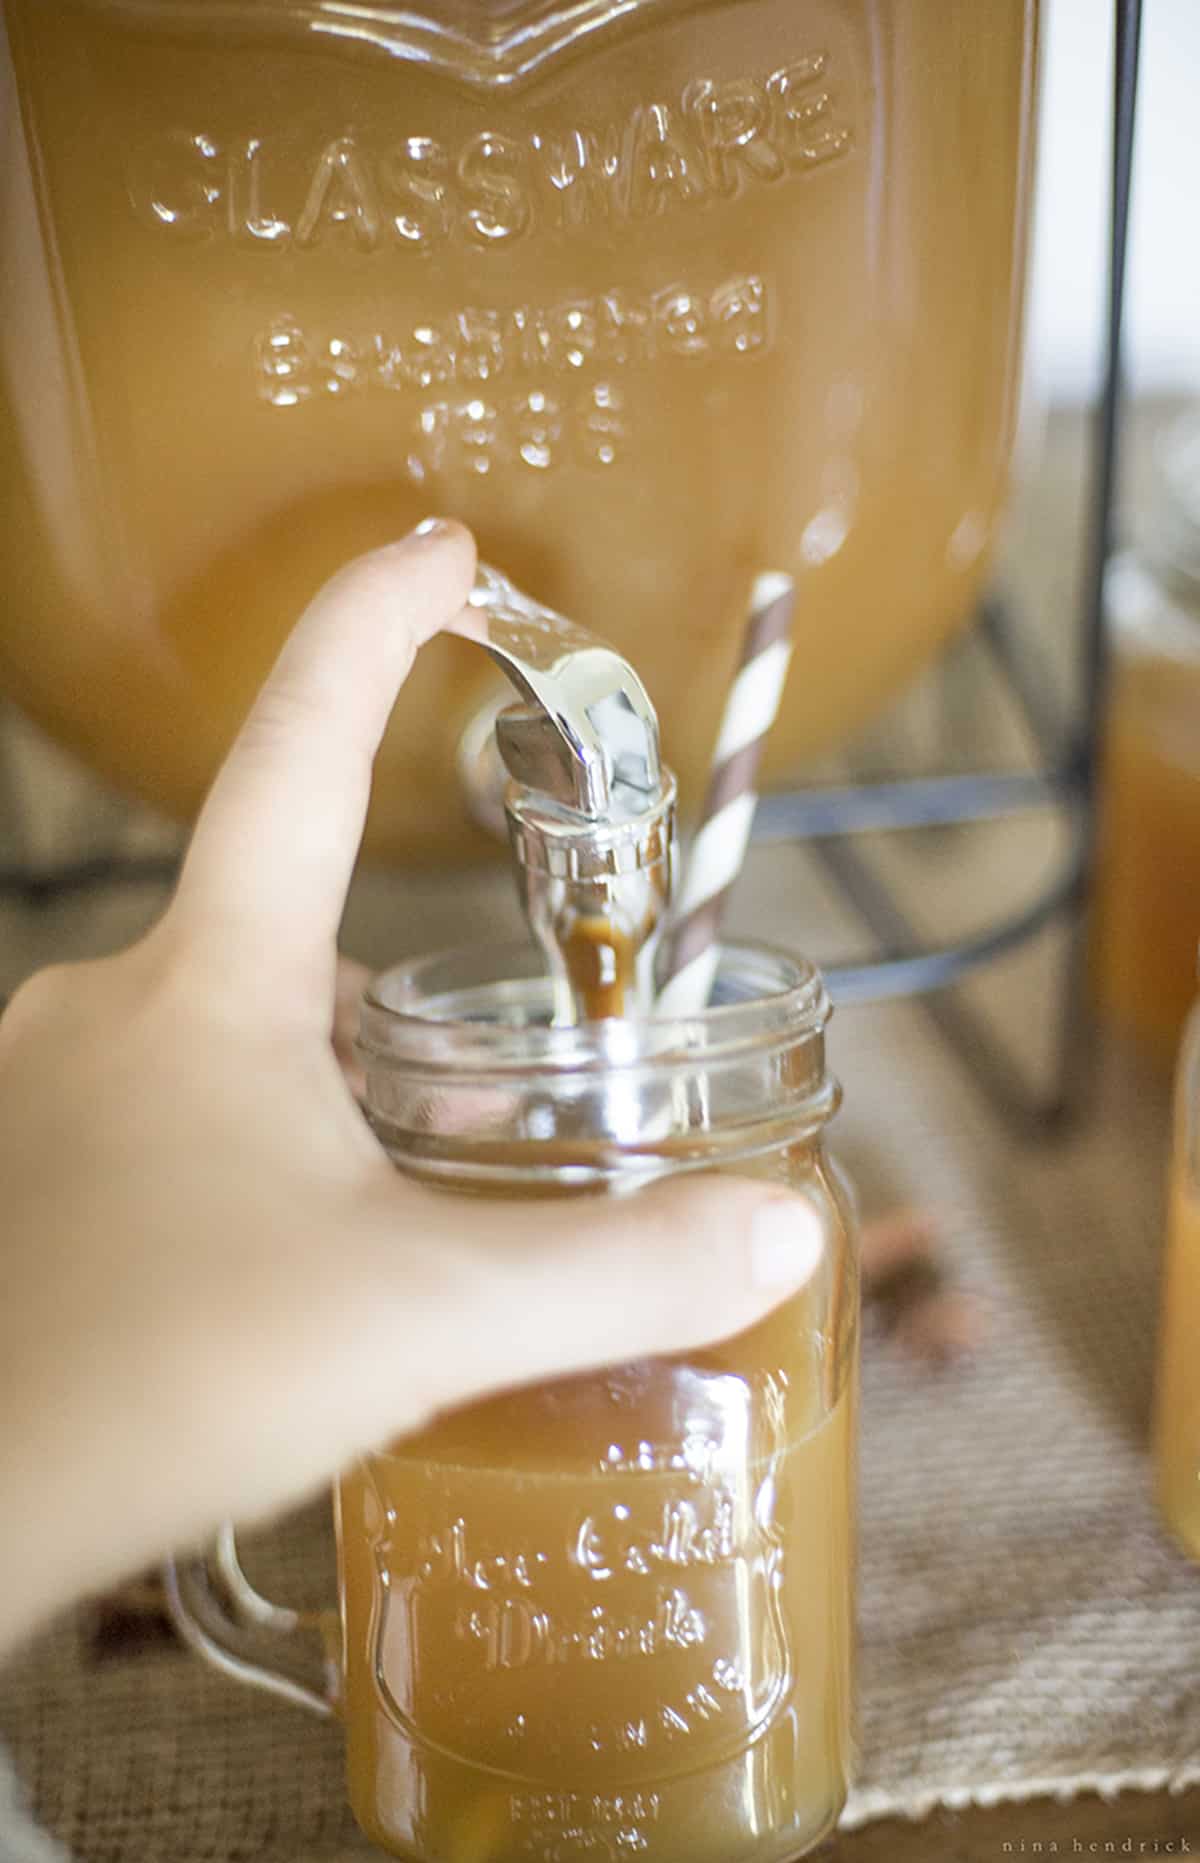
(220, 1615)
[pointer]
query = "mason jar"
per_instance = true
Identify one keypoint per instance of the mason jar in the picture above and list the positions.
(1146, 925)
(1177, 1391)
(607, 1616)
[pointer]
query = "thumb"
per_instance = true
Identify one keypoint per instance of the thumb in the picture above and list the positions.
(517, 1292)
(273, 850)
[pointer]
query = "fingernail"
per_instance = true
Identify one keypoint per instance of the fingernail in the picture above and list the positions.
(787, 1239)
(430, 526)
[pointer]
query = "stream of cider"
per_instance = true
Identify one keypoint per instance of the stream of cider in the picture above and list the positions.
(716, 287)
(601, 966)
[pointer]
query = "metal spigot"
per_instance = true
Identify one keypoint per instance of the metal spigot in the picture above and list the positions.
(590, 808)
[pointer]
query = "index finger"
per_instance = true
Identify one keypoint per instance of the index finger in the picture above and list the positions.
(274, 848)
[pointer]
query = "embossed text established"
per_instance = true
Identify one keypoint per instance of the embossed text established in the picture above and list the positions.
(485, 389)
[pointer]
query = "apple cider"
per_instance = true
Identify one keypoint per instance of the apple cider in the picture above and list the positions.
(1147, 900)
(611, 1615)
(1146, 920)
(652, 295)
(610, 1618)
(1177, 1396)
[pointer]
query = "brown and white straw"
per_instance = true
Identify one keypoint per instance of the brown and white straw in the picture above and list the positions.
(727, 817)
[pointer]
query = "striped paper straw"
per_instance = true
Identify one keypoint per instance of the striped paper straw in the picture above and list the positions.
(728, 813)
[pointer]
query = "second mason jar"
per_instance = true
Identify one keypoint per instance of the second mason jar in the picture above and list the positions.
(1177, 1386)
(1147, 899)
(610, 1616)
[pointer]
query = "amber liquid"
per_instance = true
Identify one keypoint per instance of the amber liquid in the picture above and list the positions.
(1177, 1420)
(712, 289)
(610, 1617)
(1147, 912)
(600, 960)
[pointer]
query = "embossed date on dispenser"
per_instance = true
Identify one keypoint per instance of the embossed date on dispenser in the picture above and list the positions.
(416, 192)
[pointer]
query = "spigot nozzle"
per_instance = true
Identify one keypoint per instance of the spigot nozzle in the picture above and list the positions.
(590, 808)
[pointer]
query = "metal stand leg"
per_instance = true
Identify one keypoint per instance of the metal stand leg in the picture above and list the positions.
(1077, 1037)
(29, 874)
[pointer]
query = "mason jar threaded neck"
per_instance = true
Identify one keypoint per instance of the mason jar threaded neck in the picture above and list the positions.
(468, 1081)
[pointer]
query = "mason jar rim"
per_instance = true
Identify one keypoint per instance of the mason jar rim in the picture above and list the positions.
(486, 1008)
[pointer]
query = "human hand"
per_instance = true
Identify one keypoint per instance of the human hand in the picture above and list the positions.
(215, 1288)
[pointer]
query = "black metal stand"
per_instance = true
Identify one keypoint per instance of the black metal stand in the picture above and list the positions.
(42, 886)
(1068, 749)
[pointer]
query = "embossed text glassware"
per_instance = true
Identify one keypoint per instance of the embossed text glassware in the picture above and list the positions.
(608, 1616)
(654, 294)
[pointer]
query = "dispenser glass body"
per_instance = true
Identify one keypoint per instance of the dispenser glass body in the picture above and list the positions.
(653, 296)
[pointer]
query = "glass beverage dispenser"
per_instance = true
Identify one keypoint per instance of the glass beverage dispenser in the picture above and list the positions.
(652, 293)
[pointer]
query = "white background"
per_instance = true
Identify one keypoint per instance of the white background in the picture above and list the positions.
(1069, 246)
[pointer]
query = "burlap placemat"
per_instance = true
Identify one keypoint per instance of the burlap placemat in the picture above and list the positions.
(1025, 1627)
